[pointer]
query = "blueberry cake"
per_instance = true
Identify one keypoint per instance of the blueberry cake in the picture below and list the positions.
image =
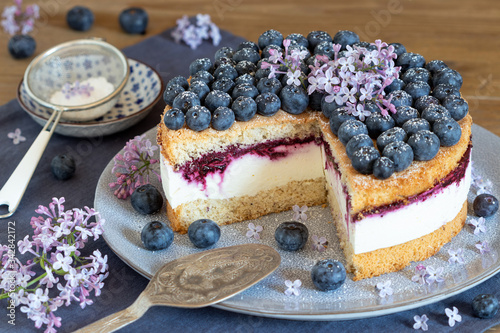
(377, 133)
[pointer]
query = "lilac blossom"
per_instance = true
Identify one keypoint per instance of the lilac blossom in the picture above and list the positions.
(319, 243)
(479, 225)
(385, 288)
(56, 254)
(456, 256)
(420, 274)
(293, 288)
(194, 31)
(483, 247)
(479, 184)
(16, 136)
(453, 316)
(17, 21)
(421, 323)
(299, 213)
(70, 90)
(434, 275)
(254, 231)
(132, 168)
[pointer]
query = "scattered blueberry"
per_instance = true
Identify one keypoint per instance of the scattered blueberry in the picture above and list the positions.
(203, 76)
(291, 236)
(485, 306)
(217, 98)
(200, 88)
(174, 119)
(325, 48)
(349, 129)
(403, 114)
(485, 205)
(198, 118)
(417, 89)
(246, 54)
(245, 67)
(410, 60)
(338, 117)
(203, 233)
(222, 118)
(224, 52)
(316, 37)
(390, 136)
(171, 93)
(80, 18)
(376, 124)
(435, 112)
(156, 236)
(185, 100)
(294, 99)
(443, 90)
(414, 125)
(146, 199)
(457, 106)
(298, 39)
(134, 20)
(396, 84)
(383, 167)
(63, 167)
(400, 153)
(21, 46)
(180, 81)
(399, 48)
(245, 89)
(447, 130)
(435, 66)
(270, 37)
(268, 104)
(447, 76)
(269, 85)
(364, 158)
(244, 108)
(226, 70)
(248, 45)
(202, 64)
(356, 142)
(425, 145)
(345, 37)
(328, 274)
(424, 101)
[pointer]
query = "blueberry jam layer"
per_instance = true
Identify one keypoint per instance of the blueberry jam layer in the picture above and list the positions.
(455, 176)
(217, 162)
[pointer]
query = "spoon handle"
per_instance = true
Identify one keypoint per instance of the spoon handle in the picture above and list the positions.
(119, 319)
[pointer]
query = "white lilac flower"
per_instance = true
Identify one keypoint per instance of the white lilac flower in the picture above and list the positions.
(479, 225)
(16, 136)
(293, 287)
(456, 256)
(434, 275)
(319, 243)
(62, 262)
(254, 231)
(483, 247)
(385, 288)
(420, 274)
(37, 298)
(293, 77)
(453, 316)
(421, 323)
(299, 213)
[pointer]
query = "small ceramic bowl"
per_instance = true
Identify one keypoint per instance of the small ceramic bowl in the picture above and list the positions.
(75, 61)
(142, 91)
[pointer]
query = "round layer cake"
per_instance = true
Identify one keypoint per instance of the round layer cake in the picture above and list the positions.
(268, 163)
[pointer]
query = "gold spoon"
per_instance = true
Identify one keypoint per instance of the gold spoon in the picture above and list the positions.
(197, 280)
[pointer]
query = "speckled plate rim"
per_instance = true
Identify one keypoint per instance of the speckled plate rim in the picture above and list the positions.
(100, 123)
(480, 134)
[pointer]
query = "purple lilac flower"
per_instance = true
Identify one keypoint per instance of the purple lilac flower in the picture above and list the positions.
(483, 247)
(319, 243)
(479, 225)
(420, 274)
(456, 256)
(15, 20)
(132, 168)
(385, 288)
(69, 90)
(254, 231)
(193, 34)
(434, 275)
(299, 213)
(453, 316)
(16, 136)
(293, 288)
(421, 323)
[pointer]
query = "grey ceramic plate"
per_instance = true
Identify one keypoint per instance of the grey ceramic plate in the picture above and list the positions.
(354, 299)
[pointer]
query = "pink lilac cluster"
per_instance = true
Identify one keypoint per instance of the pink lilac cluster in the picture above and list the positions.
(194, 34)
(69, 90)
(58, 274)
(358, 77)
(428, 275)
(17, 21)
(132, 168)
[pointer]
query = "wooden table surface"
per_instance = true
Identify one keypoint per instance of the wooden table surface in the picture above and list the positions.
(465, 34)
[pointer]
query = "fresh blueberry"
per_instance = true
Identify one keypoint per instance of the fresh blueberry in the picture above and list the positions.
(266, 52)
(376, 124)
(448, 76)
(185, 100)
(366, 45)
(304, 50)
(396, 84)
(325, 48)
(435, 112)
(244, 108)
(248, 45)
(364, 158)
(270, 37)
(485, 205)
(315, 100)
(399, 48)
(345, 37)
(457, 106)
(298, 39)
(400, 97)
(356, 142)
(217, 98)
(203, 233)
(247, 90)
(338, 117)
(328, 274)
(245, 78)
(180, 81)
(269, 85)
(226, 70)
(156, 236)
(485, 306)
(134, 20)
(414, 125)
(425, 145)
(146, 199)
(263, 73)
(21, 46)
(447, 130)
(63, 167)
(80, 18)
(417, 89)
(372, 107)
(328, 107)
(224, 61)
(416, 74)
(435, 66)
(223, 118)
(224, 52)
(246, 54)
(245, 67)
(174, 119)
(268, 104)
(410, 60)
(383, 167)
(291, 236)
(390, 136)
(294, 99)
(223, 84)
(424, 101)
(198, 118)
(200, 88)
(171, 93)
(403, 114)
(203, 76)
(443, 90)
(316, 37)
(202, 64)
(349, 129)
(400, 153)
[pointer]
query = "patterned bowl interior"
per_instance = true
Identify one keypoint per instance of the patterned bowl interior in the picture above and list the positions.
(142, 89)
